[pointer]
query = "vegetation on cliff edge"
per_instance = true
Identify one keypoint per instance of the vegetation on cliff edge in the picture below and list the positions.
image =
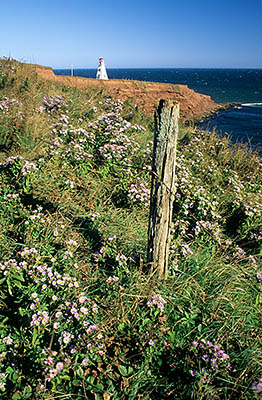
(79, 317)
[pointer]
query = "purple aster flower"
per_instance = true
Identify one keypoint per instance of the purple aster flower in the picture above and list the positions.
(85, 362)
(214, 363)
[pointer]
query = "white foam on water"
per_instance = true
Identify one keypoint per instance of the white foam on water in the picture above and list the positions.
(252, 104)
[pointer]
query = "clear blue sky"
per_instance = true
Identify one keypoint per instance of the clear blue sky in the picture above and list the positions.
(138, 33)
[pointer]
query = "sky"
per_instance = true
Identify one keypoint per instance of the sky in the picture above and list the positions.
(137, 33)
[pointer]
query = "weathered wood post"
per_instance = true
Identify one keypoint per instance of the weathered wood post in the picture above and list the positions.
(162, 186)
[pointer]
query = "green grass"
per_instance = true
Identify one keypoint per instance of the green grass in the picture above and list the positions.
(75, 175)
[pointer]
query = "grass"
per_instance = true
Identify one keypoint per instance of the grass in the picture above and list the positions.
(80, 318)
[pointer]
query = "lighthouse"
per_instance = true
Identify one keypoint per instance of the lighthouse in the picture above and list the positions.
(101, 70)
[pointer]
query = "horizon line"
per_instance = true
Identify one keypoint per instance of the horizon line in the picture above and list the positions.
(157, 67)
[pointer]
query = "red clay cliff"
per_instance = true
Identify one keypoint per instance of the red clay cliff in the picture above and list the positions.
(145, 94)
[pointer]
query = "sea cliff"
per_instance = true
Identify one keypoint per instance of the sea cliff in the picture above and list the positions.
(145, 94)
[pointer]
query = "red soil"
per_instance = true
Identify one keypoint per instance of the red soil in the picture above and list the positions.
(145, 94)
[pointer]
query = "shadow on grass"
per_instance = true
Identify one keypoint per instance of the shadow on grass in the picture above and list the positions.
(90, 233)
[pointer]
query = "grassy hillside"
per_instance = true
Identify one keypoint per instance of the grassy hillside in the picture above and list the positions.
(80, 318)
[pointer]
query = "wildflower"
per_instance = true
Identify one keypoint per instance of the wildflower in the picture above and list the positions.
(103, 249)
(257, 386)
(71, 242)
(84, 310)
(54, 297)
(85, 362)
(158, 301)
(56, 325)
(71, 184)
(59, 366)
(91, 328)
(225, 356)
(66, 339)
(82, 299)
(213, 362)
(7, 340)
(186, 249)
(94, 308)
(52, 374)
(259, 276)
(151, 342)
(111, 238)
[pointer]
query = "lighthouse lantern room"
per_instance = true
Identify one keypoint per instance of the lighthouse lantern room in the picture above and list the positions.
(101, 70)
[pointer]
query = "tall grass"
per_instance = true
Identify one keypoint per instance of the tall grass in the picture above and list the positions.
(80, 318)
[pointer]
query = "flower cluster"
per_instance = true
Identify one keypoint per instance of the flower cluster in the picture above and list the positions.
(156, 301)
(41, 317)
(209, 193)
(2, 381)
(25, 167)
(122, 259)
(28, 168)
(120, 147)
(112, 280)
(93, 216)
(214, 357)
(11, 160)
(60, 312)
(6, 104)
(71, 184)
(7, 340)
(185, 249)
(138, 193)
(257, 386)
(70, 143)
(53, 103)
(37, 215)
(53, 372)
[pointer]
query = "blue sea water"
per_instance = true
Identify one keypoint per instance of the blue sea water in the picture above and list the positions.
(243, 86)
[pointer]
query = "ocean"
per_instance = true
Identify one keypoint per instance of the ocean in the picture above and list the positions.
(243, 122)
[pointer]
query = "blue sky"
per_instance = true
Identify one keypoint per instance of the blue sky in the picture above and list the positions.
(170, 33)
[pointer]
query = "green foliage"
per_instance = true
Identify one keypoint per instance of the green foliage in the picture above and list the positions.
(79, 316)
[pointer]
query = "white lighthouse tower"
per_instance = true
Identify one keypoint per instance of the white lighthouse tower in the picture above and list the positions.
(101, 70)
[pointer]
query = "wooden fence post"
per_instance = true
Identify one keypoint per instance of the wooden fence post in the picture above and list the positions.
(162, 186)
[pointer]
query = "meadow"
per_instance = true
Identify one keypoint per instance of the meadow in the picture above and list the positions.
(81, 317)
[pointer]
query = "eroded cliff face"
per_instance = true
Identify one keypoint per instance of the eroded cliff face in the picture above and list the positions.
(145, 94)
